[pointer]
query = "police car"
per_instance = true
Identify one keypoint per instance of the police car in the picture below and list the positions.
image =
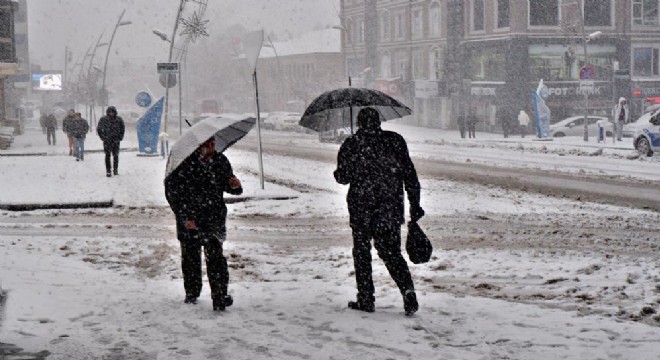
(647, 133)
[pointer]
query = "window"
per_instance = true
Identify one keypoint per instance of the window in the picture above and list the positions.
(385, 26)
(418, 64)
(543, 12)
(502, 14)
(386, 65)
(399, 25)
(417, 23)
(645, 12)
(434, 19)
(435, 64)
(597, 13)
(5, 23)
(402, 65)
(478, 15)
(645, 61)
(360, 29)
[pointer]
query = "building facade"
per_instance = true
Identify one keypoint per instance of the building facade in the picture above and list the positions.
(8, 59)
(447, 57)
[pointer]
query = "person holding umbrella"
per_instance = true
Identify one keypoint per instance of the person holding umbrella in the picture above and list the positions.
(377, 166)
(197, 176)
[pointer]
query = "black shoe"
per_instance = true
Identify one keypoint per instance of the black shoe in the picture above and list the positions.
(77, 159)
(108, 174)
(116, 172)
(362, 306)
(410, 304)
(190, 299)
(222, 302)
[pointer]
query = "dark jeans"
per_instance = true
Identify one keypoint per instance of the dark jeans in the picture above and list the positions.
(192, 242)
(111, 147)
(387, 241)
(50, 133)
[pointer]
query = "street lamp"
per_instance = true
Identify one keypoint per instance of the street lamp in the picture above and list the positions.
(104, 92)
(161, 35)
(343, 29)
(586, 39)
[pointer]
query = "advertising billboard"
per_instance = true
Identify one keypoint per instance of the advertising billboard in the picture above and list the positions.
(45, 81)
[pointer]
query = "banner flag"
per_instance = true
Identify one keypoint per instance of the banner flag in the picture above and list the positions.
(148, 128)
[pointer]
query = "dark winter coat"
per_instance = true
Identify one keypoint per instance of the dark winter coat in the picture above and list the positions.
(195, 191)
(377, 166)
(78, 128)
(111, 129)
(50, 122)
(66, 124)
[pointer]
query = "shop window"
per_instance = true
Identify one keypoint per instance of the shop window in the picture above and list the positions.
(645, 61)
(6, 53)
(503, 14)
(434, 19)
(645, 12)
(543, 12)
(402, 66)
(385, 26)
(417, 23)
(478, 15)
(488, 64)
(597, 13)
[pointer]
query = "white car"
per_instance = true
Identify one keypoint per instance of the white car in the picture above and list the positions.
(574, 126)
(284, 121)
(647, 134)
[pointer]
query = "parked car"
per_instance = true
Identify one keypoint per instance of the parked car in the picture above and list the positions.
(647, 133)
(337, 136)
(284, 121)
(574, 126)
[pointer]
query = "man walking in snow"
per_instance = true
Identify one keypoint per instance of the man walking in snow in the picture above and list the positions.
(78, 129)
(523, 123)
(377, 166)
(195, 192)
(66, 128)
(111, 132)
(51, 126)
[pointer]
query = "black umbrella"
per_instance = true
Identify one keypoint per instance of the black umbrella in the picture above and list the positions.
(333, 109)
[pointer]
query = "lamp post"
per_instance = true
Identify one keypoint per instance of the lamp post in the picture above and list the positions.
(104, 94)
(92, 87)
(343, 29)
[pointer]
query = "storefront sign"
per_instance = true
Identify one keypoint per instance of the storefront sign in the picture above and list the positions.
(425, 89)
(645, 89)
(391, 87)
(569, 89)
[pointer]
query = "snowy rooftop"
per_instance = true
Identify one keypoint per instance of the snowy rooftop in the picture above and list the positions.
(321, 41)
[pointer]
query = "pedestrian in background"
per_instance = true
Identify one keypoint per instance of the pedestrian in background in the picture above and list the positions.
(66, 128)
(472, 121)
(51, 126)
(195, 192)
(111, 131)
(461, 125)
(78, 130)
(377, 166)
(620, 117)
(523, 123)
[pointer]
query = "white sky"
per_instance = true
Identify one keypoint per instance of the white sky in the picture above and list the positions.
(54, 24)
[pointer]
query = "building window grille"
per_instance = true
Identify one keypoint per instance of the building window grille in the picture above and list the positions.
(645, 12)
(597, 13)
(478, 15)
(503, 14)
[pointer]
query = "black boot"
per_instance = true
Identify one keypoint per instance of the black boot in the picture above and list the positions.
(410, 302)
(190, 299)
(363, 303)
(221, 302)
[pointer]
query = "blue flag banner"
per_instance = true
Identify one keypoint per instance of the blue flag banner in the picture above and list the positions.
(541, 111)
(148, 128)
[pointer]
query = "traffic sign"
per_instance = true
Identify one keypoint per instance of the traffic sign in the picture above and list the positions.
(143, 99)
(167, 68)
(587, 72)
(587, 86)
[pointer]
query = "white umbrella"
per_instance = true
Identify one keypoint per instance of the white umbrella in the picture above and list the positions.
(226, 128)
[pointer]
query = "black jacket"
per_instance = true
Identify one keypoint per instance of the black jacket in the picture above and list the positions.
(78, 128)
(195, 191)
(66, 124)
(377, 166)
(111, 130)
(50, 122)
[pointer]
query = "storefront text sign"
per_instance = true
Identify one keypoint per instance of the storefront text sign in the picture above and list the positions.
(425, 89)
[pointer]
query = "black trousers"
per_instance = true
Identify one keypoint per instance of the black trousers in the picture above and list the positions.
(50, 133)
(111, 148)
(387, 241)
(192, 243)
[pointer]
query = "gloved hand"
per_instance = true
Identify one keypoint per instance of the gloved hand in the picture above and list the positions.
(416, 212)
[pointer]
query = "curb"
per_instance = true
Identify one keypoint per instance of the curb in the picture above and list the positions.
(81, 205)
